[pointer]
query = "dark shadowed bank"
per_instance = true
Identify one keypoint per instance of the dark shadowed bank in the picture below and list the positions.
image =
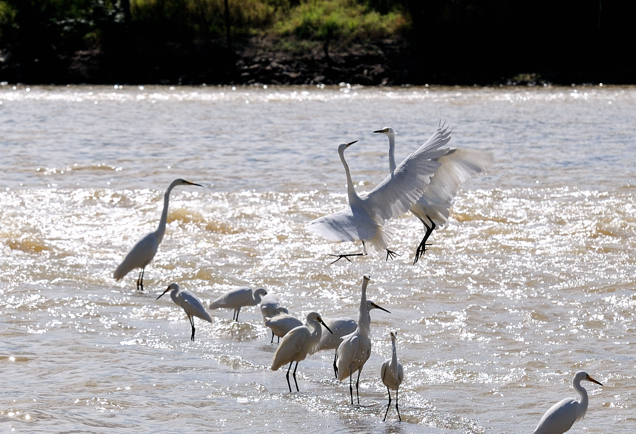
(447, 43)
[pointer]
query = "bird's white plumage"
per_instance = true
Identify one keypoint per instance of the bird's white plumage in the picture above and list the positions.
(392, 372)
(281, 324)
(145, 250)
(562, 415)
(364, 217)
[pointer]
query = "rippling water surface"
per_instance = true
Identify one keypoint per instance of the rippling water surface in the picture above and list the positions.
(532, 280)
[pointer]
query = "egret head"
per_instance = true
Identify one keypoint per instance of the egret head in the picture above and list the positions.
(343, 146)
(366, 278)
(582, 375)
(371, 305)
(393, 336)
(169, 288)
(390, 132)
(180, 181)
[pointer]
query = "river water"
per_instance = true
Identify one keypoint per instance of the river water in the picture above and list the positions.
(532, 279)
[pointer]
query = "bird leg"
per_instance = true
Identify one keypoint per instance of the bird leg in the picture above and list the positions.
(422, 247)
(346, 256)
(287, 375)
(351, 384)
(396, 403)
(140, 280)
(295, 382)
(388, 405)
(335, 367)
(391, 254)
(272, 341)
(237, 311)
(192, 324)
(357, 384)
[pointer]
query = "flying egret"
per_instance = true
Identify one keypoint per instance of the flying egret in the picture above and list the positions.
(392, 375)
(340, 328)
(457, 166)
(146, 248)
(363, 218)
(237, 298)
(355, 349)
(562, 415)
(281, 324)
(297, 344)
(270, 308)
(189, 302)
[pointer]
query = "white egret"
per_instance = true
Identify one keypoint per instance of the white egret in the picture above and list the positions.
(270, 308)
(189, 302)
(340, 328)
(146, 248)
(237, 298)
(297, 344)
(355, 349)
(281, 324)
(457, 166)
(562, 415)
(363, 218)
(392, 374)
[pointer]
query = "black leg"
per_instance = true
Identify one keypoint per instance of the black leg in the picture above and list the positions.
(388, 405)
(351, 385)
(140, 280)
(422, 247)
(335, 367)
(272, 341)
(237, 313)
(296, 367)
(287, 375)
(396, 403)
(192, 324)
(357, 384)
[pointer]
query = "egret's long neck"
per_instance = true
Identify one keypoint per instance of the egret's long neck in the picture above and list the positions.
(353, 196)
(394, 356)
(164, 214)
(392, 165)
(582, 407)
(316, 330)
(364, 319)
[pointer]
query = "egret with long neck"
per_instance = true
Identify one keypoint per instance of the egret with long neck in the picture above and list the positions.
(145, 250)
(392, 374)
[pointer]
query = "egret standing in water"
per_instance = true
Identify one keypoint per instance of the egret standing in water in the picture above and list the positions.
(297, 344)
(189, 302)
(562, 415)
(456, 167)
(392, 375)
(363, 218)
(355, 349)
(341, 327)
(146, 248)
(237, 298)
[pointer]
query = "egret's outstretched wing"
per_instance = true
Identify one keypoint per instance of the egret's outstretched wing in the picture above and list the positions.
(290, 347)
(139, 256)
(397, 193)
(343, 226)
(559, 418)
(192, 306)
(457, 166)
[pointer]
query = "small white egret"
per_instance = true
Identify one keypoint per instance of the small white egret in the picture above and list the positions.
(392, 375)
(281, 324)
(189, 302)
(270, 308)
(146, 248)
(363, 219)
(297, 344)
(237, 298)
(457, 166)
(355, 349)
(562, 415)
(340, 328)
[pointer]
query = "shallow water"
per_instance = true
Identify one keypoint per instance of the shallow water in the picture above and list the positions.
(532, 280)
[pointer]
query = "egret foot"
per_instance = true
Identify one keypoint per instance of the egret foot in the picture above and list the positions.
(346, 256)
(391, 254)
(422, 247)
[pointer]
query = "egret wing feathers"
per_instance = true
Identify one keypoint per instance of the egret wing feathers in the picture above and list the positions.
(559, 418)
(346, 355)
(191, 304)
(139, 256)
(290, 347)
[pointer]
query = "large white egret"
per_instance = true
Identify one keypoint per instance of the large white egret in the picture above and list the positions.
(355, 349)
(146, 248)
(282, 324)
(456, 167)
(297, 344)
(189, 302)
(341, 327)
(363, 219)
(392, 374)
(237, 298)
(562, 415)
